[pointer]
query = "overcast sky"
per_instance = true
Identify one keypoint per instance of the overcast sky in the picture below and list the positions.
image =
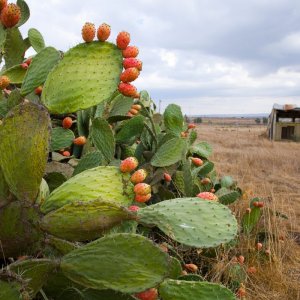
(209, 56)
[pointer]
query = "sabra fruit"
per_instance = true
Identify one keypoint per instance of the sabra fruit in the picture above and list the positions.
(4, 82)
(142, 189)
(191, 267)
(207, 196)
(129, 75)
(197, 161)
(123, 40)
(150, 294)
(167, 177)
(10, 15)
(103, 32)
(128, 89)
(129, 164)
(80, 141)
(67, 123)
(132, 63)
(142, 198)
(138, 176)
(88, 32)
(130, 51)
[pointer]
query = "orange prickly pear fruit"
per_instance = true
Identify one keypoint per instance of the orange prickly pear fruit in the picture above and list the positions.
(103, 32)
(150, 294)
(142, 198)
(132, 63)
(136, 107)
(66, 153)
(38, 90)
(130, 51)
(133, 208)
(191, 267)
(138, 176)
(205, 181)
(167, 177)
(67, 123)
(4, 82)
(128, 164)
(197, 161)
(123, 40)
(191, 126)
(10, 15)
(80, 141)
(207, 196)
(88, 32)
(142, 189)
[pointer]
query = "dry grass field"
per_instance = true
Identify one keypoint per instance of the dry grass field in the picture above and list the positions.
(270, 170)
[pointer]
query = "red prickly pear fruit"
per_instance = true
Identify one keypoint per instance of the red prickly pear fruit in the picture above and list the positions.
(212, 190)
(3, 3)
(268, 252)
(103, 32)
(123, 40)
(136, 107)
(241, 292)
(142, 198)
(24, 66)
(133, 112)
(184, 272)
(129, 75)
(142, 189)
(205, 181)
(191, 267)
(132, 63)
(248, 210)
(260, 204)
(183, 134)
(191, 126)
(38, 90)
(255, 203)
(130, 51)
(67, 123)
(241, 259)
(197, 161)
(208, 196)
(133, 208)
(10, 15)
(80, 141)
(164, 247)
(138, 176)
(129, 114)
(167, 177)
(259, 246)
(150, 294)
(4, 82)
(127, 89)
(66, 153)
(88, 32)
(28, 61)
(128, 164)
(251, 270)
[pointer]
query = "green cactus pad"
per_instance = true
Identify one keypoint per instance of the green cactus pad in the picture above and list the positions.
(127, 263)
(3, 33)
(89, 161)
(227, 196)
(15, 74)
(24, 156)
(36, 39)
(193, 290)
(88, 74)
(25, 12)
(9, 291)
(61, 138)
(120, 107)
(84, 220)
(35, 271)
(206, 168)
(40, 66)
(19, 232)
(169, 153)
(4, 190)
(227, 181)
(103, 138)
(179, 181)
(250, 220)
(175, 268)
(130, 130)
(173, 119)
(192, 221)
(90, 294)
(202, 149)
(63, 246)
(43, 192)
(107, 183)
(192, 137)
(191, 277)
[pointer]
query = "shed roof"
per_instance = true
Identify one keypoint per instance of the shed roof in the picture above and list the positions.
(286, 107)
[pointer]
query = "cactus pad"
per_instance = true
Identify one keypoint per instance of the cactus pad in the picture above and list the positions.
(24, 156)
(192, 221)
(9, 291)
(61, 138)
(173, 119)
(15, 74)
(202, 149)
(107, 183)
(188, 290)
(90, 160)
(87, 75)
(36, 39)
(127, 263)
(84, 220)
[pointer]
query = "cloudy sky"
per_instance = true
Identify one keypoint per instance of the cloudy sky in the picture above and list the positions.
(209, 56)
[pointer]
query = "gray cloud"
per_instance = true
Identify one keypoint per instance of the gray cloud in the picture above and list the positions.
(238, 54)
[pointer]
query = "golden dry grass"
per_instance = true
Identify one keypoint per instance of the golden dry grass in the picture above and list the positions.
(270, 170)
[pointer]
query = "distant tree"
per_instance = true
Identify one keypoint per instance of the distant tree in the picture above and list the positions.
(257, 120)
(265, 120)
(198, 120)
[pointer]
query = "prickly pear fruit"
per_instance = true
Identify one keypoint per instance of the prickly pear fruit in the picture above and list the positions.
(127, 89)
(138, 176)
(248, 210)
(130, 51)
(80, 141)
(88, 32)
(197, 161)
(167, 177)
(241, 292)
(142, 198)
(259, 246)
(132, 63)
(123, 40)
(183, 134)
(4, 82)
(241, 259)
(191, 267)
(212, 190)
(136, 107)
(129, 114)
(205, 181)
(38, 90)
(66, 153)
(133, 111)
(128, 164)
(142, 189)
(3, 3)
(67, 123)
(103, 32)
(24, 66)
(251, 270)
(129, 75)
(28, 61)
(191, 126)
(207, 196)
(150, 294)
(10, 15)
(260, 204)
(133, 208)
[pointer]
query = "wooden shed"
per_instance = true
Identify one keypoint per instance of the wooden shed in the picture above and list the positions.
(284, 123)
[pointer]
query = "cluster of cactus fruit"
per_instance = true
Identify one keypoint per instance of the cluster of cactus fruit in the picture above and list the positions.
(79, 216)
